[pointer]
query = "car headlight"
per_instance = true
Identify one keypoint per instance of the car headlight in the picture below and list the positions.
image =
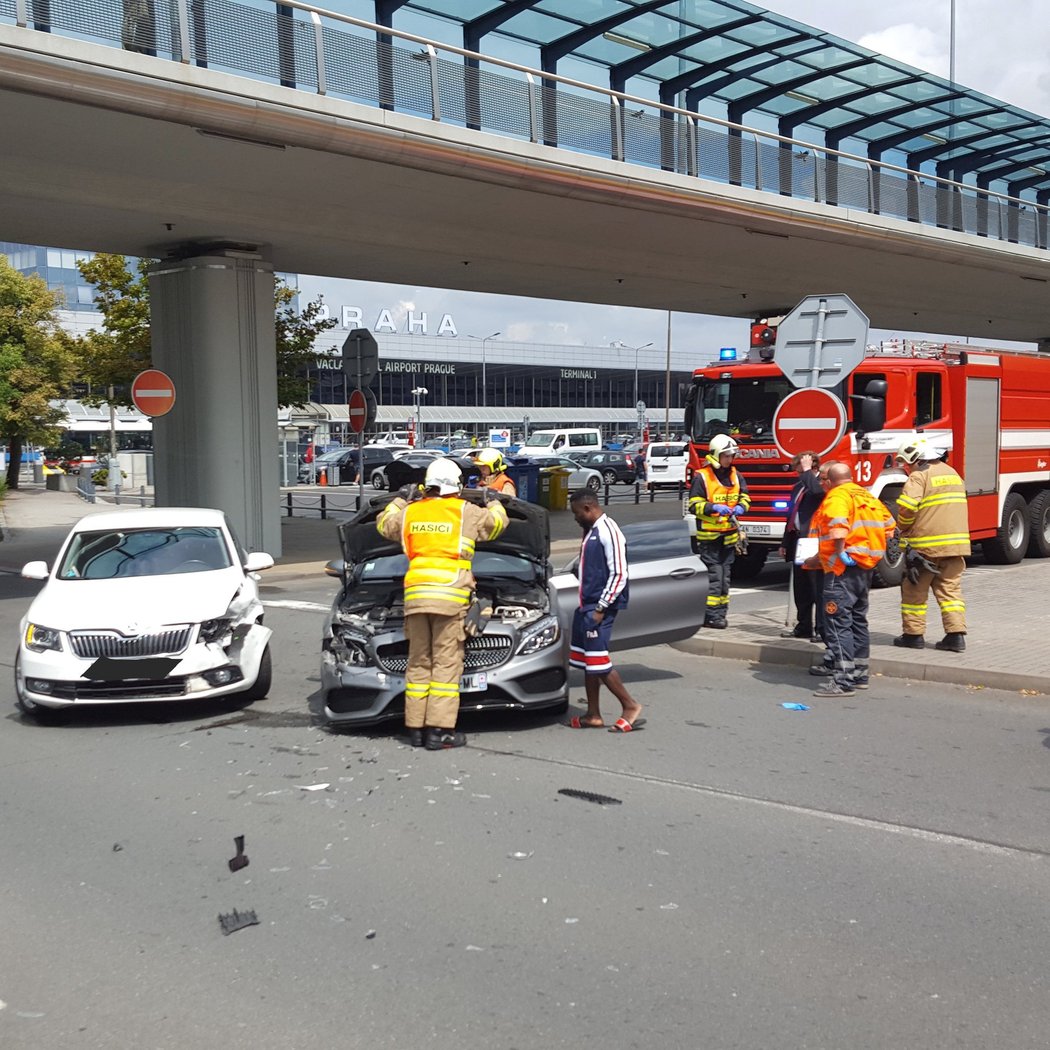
(215, 630)
(40, 639)
(355, 644)
(541, 635)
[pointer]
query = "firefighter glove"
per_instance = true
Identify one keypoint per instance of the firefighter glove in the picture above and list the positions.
(737, 511)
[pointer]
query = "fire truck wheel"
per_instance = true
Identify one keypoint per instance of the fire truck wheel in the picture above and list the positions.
(1039, 520)
(1009, 544)
(890, 570)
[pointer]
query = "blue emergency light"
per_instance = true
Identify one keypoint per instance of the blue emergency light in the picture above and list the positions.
(727, 353)
(780, 504)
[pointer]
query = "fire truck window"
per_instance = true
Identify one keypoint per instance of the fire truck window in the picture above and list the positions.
(927, 398)
(860, 381)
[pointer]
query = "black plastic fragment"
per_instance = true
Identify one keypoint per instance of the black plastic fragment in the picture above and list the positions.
(237, 920)
(240, 860)
(590, 796)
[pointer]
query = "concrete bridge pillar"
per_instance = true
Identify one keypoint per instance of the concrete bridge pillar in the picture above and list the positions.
(213, 333)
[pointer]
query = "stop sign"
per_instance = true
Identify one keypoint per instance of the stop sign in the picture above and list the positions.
(358, 411)
(153, 392)
(809, 420)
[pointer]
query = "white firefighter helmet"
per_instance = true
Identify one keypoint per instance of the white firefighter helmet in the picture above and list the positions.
(491, 458)
(912, 449)
(721, 444)
(444, 476)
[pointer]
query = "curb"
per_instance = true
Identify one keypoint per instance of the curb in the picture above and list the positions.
(789, 656)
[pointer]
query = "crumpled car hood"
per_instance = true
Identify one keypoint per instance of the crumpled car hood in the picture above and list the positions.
(143, 601)
(527, 534)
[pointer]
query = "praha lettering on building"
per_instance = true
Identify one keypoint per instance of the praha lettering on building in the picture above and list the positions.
(415, 323)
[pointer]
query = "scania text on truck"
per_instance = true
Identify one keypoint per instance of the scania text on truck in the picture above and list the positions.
(990, 409)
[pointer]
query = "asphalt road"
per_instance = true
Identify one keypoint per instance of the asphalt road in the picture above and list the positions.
(870, 873)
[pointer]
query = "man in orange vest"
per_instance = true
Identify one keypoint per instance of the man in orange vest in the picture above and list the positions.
(851, 527)
(717, 497)
(438, 533)
(493, 472)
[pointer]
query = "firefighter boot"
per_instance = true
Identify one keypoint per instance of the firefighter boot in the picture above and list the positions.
(910, 641)
(415, 736)
(440, 739)
(955, 642)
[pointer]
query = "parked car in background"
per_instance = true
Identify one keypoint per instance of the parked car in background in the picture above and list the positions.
(519, 661)
(580, 478)
(420, 459)
(345, 459)
(392, 437)
(613, 466)
(152, 604)
(666, 462)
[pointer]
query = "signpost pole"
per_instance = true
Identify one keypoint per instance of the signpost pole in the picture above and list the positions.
(360, 439)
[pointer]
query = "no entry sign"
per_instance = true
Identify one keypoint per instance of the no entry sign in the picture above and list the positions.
(809, 420)
(153, 392)
(358, 406)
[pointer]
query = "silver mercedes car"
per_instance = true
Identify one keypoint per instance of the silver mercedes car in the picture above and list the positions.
(520, 660)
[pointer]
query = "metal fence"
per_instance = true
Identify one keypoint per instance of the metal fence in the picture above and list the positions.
(294, 45)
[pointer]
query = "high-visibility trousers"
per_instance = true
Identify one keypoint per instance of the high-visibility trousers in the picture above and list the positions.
(947, 591)
(436, 647)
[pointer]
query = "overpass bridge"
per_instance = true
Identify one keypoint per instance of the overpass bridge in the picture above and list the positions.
(231, 139)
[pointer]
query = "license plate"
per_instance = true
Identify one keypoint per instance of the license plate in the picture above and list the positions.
(755, 530)
(474, 683)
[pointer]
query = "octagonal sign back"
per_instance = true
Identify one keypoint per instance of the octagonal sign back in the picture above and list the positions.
(821, 341)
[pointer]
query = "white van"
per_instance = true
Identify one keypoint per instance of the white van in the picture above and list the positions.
(665, 462)
(562, 441)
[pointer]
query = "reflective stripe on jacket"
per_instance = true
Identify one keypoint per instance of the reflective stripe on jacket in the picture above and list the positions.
(852, 513)
(438, 534)
(933, 513)
(708, 489)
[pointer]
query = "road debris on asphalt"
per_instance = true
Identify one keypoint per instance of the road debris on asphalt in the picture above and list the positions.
(239, 860)
(237, 920)
(591, 796)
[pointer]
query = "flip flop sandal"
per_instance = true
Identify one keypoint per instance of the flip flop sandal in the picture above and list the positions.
(621, 725)
(578, 723)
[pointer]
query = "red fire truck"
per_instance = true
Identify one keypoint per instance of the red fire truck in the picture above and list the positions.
(989, 408)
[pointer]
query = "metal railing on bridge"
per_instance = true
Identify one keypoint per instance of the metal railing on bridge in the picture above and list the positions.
(299, 46)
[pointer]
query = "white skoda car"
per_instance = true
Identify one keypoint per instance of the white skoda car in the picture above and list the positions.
(152, 604)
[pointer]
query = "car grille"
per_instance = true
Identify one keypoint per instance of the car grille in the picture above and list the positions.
(141, 689)
(482, 652)
(94, 644)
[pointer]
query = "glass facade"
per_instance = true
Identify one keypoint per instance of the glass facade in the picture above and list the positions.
(58, 268)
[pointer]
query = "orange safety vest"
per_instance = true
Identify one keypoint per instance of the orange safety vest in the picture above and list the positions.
(432, 537)
(713, 526)
(866, 521)
(501, 483)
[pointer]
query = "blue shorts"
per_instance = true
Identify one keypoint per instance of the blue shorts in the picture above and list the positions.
(589, 648)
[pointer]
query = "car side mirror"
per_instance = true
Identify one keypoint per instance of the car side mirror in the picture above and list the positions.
(336, 568)
(35, 570)
(257, 561)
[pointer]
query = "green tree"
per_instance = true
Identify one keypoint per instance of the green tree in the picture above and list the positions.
(37, 364)
(113, 357)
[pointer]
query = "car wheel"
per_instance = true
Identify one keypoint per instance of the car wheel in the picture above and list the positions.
(594, 483)
(45, 716)
(378, 480)
(262, 681)
(609, 477)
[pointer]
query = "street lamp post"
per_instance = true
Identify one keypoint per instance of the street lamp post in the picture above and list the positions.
(623, 346)
(484, 386)
(418, 393)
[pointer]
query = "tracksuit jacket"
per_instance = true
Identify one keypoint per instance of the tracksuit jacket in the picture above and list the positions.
(603, 566)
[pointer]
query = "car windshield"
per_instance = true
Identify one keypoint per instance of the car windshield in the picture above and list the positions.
(741, 407)
(486, 563)
(144, 552)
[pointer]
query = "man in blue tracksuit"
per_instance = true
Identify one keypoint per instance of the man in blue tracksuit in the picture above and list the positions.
(603, 592)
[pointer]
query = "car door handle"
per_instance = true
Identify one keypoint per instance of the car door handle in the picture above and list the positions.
(681, 574)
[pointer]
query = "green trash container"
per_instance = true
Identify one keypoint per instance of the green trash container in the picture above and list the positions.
(543, 489)
(559, 491)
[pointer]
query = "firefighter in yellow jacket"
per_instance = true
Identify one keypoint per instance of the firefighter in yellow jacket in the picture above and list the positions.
(934, 526)
(717, 497)
(438, 533)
